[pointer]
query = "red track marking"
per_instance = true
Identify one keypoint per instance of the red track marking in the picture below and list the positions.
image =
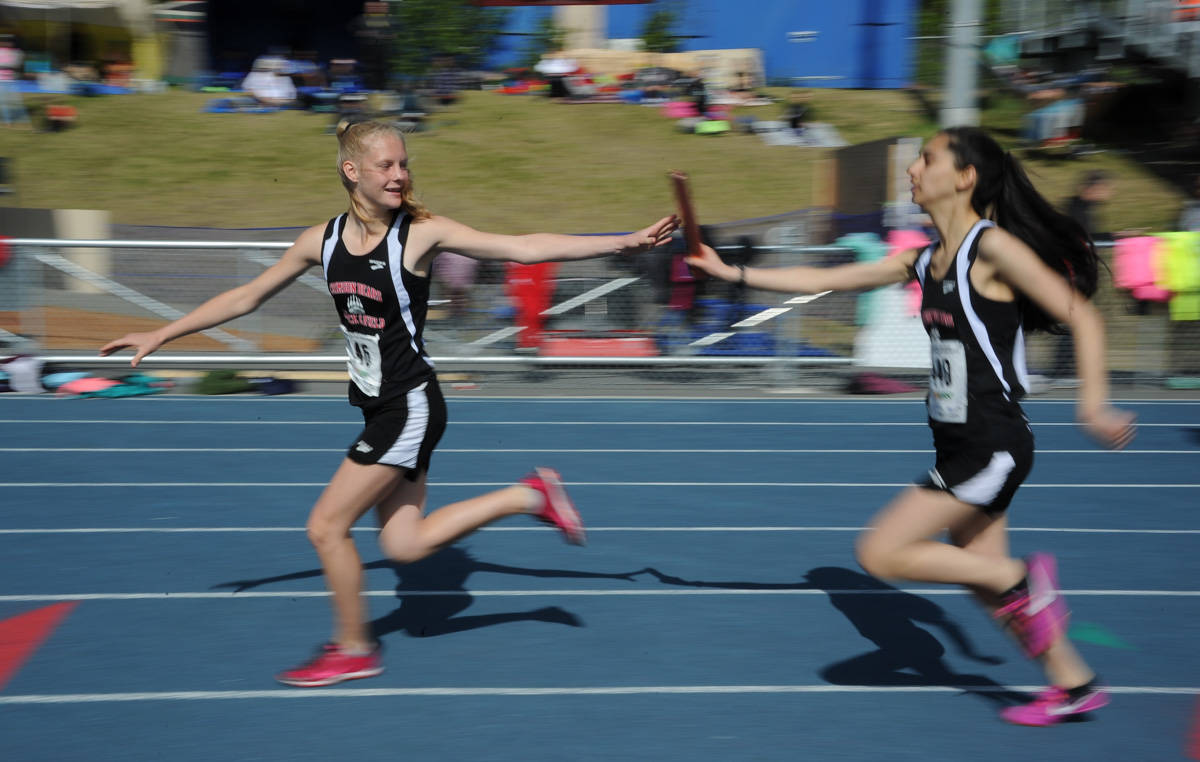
(21, 635)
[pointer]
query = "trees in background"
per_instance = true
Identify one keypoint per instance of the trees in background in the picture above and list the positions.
(429, 29)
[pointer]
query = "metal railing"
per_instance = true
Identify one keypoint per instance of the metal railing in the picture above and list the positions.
(1163, 30)
(132, 281)
(65, 306)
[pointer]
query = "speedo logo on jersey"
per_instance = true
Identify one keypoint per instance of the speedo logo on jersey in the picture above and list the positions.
(377, 264)
(947, 286)
(362, 446)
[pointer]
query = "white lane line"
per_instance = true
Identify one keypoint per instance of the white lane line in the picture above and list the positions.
(567, 306)
(596, 593)
(195, 449)
(761, 317)
(827, 424)
(250, 530)
(595, 450)
(572, 399)
(183, 397)
(712, 338)
(312, 281)
(495, 336)
(587, 296)
(839, 485)
(616, 690)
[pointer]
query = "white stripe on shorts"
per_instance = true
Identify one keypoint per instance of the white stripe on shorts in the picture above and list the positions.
(408, 446)
(982, 488)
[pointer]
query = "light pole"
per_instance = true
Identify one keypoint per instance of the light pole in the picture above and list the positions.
(959, 105)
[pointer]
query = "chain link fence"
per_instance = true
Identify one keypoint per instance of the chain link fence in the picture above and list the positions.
(594, 324)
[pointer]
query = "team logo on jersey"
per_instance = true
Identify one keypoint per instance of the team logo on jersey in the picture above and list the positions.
(377, 264)
(354, 305)
(947, 286)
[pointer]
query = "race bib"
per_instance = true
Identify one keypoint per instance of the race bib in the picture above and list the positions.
(948, 381)
(363, 361)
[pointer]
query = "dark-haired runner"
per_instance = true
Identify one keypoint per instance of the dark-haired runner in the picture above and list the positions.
(1006, 262)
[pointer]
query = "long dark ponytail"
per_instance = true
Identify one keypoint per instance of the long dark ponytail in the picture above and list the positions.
(1004, 194)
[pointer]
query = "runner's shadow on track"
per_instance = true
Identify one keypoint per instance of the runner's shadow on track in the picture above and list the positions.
(445, 573)
(906, 654)
(423, 616)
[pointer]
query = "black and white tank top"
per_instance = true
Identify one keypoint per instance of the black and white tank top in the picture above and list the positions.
(382, 307)
(977, 346)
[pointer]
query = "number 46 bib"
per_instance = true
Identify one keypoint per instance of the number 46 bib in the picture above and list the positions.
(948, 381)
(363, 361)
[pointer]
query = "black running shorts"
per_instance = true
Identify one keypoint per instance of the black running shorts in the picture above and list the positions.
(984, 474)
(404, 431)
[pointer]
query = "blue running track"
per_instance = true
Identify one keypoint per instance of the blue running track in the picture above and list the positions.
(717, 612)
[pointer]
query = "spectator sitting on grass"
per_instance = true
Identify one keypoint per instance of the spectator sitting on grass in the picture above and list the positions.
(798, 111)
(267, 85)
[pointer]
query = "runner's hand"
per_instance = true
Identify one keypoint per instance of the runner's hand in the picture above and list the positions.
(1110, 427)
(142, 344)
(649, 237)
(709, 262)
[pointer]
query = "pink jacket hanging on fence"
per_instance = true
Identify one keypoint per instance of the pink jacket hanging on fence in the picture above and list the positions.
(905, 240)
(1137, 267)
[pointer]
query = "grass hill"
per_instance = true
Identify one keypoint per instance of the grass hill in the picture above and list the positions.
(502, 163)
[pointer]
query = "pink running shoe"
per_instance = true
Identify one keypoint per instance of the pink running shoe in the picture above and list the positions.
(558, 510)
(1039, 615)
(1052, 706)
(333, 665)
